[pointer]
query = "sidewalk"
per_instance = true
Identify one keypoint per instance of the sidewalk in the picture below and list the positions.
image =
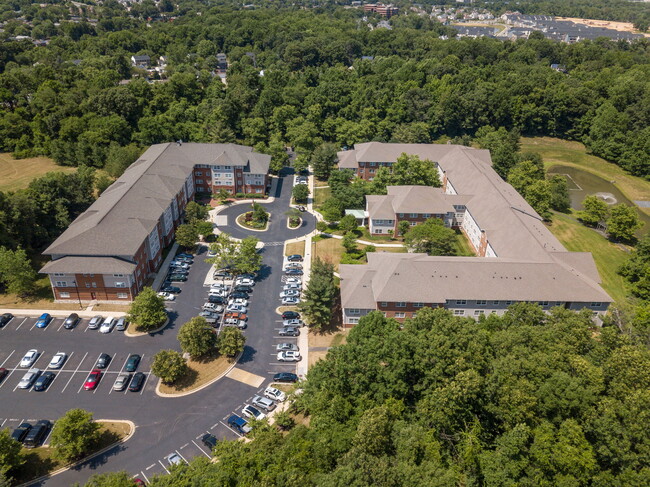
(61, 313)
(363, 242)
(162, 272)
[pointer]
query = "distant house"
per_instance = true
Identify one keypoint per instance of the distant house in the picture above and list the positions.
(559, 68)
(140, 61)
(222, 61)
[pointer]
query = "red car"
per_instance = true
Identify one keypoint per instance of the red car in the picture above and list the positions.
(93, 379)
(236, 316)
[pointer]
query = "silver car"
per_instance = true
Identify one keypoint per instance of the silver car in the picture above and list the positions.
(29, 378)
(121, 382)
(263, 403)
(95, 322)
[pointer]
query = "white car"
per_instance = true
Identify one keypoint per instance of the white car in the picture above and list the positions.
(293, 285)
(241, 324)
(214, 307)
(291, 356)
(29, 358)
(293, 280)
(29, 378)
(287, 347)
(290, 293)
(218, 292)
(236, 308)
(180, 265)
(293, 323)
(290, 300)
(275, 394)
(167, 296)
(108, 325)
(212, 253)
(58, 360)
(244, 281)
(239, 301)
(219, 285)
(252, 412)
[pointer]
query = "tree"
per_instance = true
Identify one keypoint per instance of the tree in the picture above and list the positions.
(348, 223)
(187, 235)
(560, 200)
(595, 211)
(111, 479)
(319, 295)
(637, 269)
(231, 341)
(203, 228)
(247, 259)
(119, 158)
(623, 221)
(102, 183)
(301, 163)
(260, 215)
(431, 237)
(196, 337)
(349, 242)
(411, 170)
(503, 147)
(403, 227)
(323, 160)
(74, 434)
(538, 195)
(222, 195)
(194, 211)
(10, 453)
(147, 310)
(16, 273)
(300, 193)
(169, 365)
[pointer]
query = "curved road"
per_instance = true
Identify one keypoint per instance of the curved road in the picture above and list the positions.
(165, 425)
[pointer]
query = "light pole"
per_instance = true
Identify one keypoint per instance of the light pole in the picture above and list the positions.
(78, 295)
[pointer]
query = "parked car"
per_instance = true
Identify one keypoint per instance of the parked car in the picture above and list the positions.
(293, 265)
(218, 292)
(29, 378)
(240, 424)
(287, 347)
(108, 325)
(177, 278)
(43, 320)
(285, 377)
(44, 381)
(178, 270)
(289, 331)
(132, 363)
(275, 394)
(290, 293)
(174, 459)
(21, 431)
(95, 322)
(188, 259)
(290, 315)
(292, 286)
(290, 356)
(222, 274)
(137, 382)
(215, 308)
(71, 321)
(290, 301)
(167, 296)
(293, 272)
(237, 308)
(237, 316)
(171, 289)
(244, 281)
(294, 322)
(252, 412)
(103, 361)
(92, 380)
(293, 280)
(3, 373)
(121, 382)
(239, 294)
(294, 258)
(211, 253)
(37, 434)
(219, 285)
(263, 403)
(210, 317)
(210, 441)
(216, 299)
(184, 255)
(241, 324)
(5, 318)
(29, 358)
(58, 360)
(121, 324)
(179, 265)
(243, 289)
(239, 301)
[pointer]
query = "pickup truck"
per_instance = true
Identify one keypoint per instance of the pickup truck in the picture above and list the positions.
(240, 424)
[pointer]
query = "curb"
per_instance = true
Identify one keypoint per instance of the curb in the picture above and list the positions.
(296, 228)
(183, 394)
(143, 333)
(89, 457)
(268, 224)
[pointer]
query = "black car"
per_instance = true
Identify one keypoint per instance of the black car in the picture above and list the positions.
(171, 289)
(285, 377)
(243, 289)
(5, 318)
(177, 278)
(293, 272)
(290, 315)
(71, 321)
(178, 270)
(137, 382)
(239, 295)
(132, 363)
(19, 433)
(295, 258)
(209, 440)
(103, 361)
(216, 299)
(44, 381)
(37, 434)
(3, 374)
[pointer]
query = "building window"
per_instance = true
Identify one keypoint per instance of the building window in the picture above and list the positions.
(383, 304)
(373, 164)
(596, 305)
(413, 215)
(64, 295)
(199, 181)
(59, 274)
(459, 312)
(543, 303)
(508, 303)
(354, 311)
(198, 173)
(479, 312)
(401, 304)
(353, 321)
(481, 302)
(378, 230)
(400, 315)
(118, 275)
(94, 284)
(414, 223)
(496, 302)
(122, 295)
(61, 284)
(87, 284)
(427, 215)
(418, 305)
(461, 301)
(120, 284)
(401, 215)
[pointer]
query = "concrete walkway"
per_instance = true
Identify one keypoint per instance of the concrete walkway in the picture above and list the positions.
(60, 313)
(363, 242)
(162, 272)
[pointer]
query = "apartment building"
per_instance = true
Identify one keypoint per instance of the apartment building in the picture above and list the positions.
(111, 249)
(511, 241)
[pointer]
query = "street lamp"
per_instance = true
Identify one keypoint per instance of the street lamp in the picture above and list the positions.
(78, 295)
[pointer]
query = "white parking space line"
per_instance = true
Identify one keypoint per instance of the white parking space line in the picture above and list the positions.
(74, 373)
(202, 450)
(241, 436)
(146, 378)
(33, 325)
(3, 423)
(8, 357)
(56, 376)
(145, 477)
(21, 323)
(179, 453)
(61, 326)
(163, 466)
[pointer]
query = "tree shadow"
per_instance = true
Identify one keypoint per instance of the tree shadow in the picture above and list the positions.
(248, 355)
(264, 273)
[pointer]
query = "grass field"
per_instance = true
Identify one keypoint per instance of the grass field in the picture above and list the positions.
(462, 246)
(17, 173)
(200, 373)
(569, 153)
(578, 238)
(320, 195)
(295, 248)
(331, 250)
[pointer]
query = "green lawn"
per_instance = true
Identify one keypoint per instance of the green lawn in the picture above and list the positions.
(569, 153)
(320, 195)
(462, 245)
(18, 173)
(608, 256)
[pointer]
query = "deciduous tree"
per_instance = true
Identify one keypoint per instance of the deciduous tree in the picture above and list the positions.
(623, 221)
(196, 337)
(323, 160)
(16, 273)
(147, 311)
(187, 235)
(74, 434)
(169, 365)
(595, 211)
(431, 237)
(10, 453)
(231, 341)
(300, 193)
(195, 212)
